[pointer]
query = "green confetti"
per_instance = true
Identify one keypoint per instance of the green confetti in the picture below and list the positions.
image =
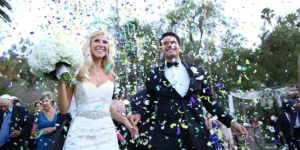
(157, 87)
(108, 67)
(98, 106)
(79, 106)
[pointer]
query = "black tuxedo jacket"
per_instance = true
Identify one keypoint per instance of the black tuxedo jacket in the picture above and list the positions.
(175, 114)
(274, 124)
(293, 115)
(18, 121)
(284, 125)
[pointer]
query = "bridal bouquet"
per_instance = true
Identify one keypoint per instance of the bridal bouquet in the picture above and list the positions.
(50, 53)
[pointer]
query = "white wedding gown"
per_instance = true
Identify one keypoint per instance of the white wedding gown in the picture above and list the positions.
(92, 127)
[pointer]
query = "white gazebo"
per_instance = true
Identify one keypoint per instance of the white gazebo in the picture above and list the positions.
(266, 95)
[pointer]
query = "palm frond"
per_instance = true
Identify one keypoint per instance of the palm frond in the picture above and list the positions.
(5, 4)
(4, 16)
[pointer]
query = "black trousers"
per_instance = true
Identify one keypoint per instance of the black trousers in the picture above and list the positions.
(296, 136)
(6, 146)
(186, 144)
(236, 138)
(280, 142)
(290, 143)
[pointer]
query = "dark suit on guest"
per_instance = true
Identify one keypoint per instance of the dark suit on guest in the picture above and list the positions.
(274, 124)
(179, 120)
(19, 121)
(295, 131)
(284, 126)
(32, 142)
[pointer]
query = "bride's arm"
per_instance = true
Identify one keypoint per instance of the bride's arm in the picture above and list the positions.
(134, 131)
(117, 116)
(64, 98)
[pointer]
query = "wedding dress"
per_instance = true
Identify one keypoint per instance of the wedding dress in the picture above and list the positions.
(92, 127)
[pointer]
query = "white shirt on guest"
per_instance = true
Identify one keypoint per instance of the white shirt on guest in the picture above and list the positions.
(178, 77)
(297, 121)
(288, 116)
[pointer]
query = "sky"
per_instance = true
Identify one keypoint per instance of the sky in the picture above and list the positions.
(28, 16)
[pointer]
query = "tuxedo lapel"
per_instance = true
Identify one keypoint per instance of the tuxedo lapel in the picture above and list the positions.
(192, 78)
(13, 117)
(162, 76)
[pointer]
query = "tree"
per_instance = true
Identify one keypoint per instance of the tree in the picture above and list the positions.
(3, 15)
(267, 15)
(276, 56)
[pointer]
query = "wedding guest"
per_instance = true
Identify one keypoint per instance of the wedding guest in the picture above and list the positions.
(284, 128)
(251, 139)
(44, 125)
(13, 124)
(226, 137)
(213, 134)
(257, 134)
(17, 102)
(295, 123)
(37, 108)
(274, 124)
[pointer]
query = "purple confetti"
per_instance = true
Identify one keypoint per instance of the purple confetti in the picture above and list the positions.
(193, 100)
(178, 130)
(275, 142)
(218, 85)
(31, 32)
(107, 54)
(3, 58)
(8, 83)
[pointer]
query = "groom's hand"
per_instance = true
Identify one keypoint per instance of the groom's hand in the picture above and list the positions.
(240, 130)
(134, 119)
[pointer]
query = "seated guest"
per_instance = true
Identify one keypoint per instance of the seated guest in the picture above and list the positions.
(14, 124)
(38, 108)
(44, 123)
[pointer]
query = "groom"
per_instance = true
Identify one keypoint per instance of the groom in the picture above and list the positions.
(180, 91)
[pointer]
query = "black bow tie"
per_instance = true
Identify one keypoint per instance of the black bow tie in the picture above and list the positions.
(172, 64)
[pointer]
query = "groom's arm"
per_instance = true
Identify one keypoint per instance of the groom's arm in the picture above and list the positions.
(211, 104)
(149, 97)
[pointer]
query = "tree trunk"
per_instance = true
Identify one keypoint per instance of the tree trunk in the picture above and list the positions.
(207, 50)
(117, 65)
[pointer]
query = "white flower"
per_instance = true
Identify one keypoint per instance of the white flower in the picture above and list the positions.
(245, 124)
(50, 51)
(194, 70)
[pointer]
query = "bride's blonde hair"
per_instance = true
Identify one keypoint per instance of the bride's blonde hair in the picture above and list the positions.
(89, 58)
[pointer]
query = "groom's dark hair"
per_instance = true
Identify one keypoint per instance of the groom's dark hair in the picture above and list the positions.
(169, 34)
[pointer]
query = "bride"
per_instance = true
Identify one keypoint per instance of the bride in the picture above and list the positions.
(92, 127)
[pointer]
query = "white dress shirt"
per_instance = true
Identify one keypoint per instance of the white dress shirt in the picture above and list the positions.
(178, 77)
(288, 116)
(297, 124)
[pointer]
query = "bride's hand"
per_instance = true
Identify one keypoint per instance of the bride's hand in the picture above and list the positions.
(133, 130)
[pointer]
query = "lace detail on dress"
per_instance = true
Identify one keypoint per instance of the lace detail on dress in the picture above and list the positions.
(92, 128)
